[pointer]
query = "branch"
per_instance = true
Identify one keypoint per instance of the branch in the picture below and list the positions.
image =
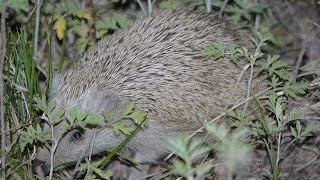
(36, 30)
(2, 59)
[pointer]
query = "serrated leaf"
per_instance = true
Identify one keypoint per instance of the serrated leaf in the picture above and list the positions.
(179, 167)
(199, 151)
(203, 169)
(90, 176)
(41, 104)
(83, 44)
(57, 116)
(279, 110)
(298, 127)
(81, 124)
(121, 127)
(83, 115)
(219, 131)
(168, 4)
(104, 175)
(83, 14)
(51, 106)
(31, 135)
(293, 132)
(215, 51)
(17, 5)
(83, 166)
(138, 118)
(121, 21)
(179, 145)
(294, 115)
(71, 116)
(93, 120)
(65, 127)
(108, 117)
(110, 23)
(60, 27)
(293, 90)
(128, 110)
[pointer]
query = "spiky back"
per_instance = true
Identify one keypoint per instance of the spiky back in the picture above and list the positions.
(158, 63)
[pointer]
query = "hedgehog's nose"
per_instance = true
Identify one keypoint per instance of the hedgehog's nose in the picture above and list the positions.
(39, 168)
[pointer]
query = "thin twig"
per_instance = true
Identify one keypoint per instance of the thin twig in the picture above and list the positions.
(2, 59)
(257, 21)
(222, 8)
(298, 64)
(142, 7)
(149, 7)
(208, 5)
(91, 147)
(278, 149)
(249, 85)
(36, 30)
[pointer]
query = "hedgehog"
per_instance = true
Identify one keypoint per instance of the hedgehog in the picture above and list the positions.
(158, 63)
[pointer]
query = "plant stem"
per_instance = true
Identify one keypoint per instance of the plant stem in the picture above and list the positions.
(285, 149)
(142, 7)
(2, 109)
(36, 30)
(222, 8)
(149, 7)
(208, 5)
(53, 149)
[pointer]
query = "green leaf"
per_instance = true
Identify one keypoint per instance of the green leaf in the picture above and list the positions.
(128, 110)
(83, 115)
(57, 116)
(32, 135)
(203, 169)
(65, 127)
(279, 110)
(199, 151)
(17, 5)
(298, 127)
(179, 145)
(51, 106)
(168, 4)
(138, 117)
(71, 115)
(60, 27)
(294, 115)
(41, 103)
(215, 51)
(93, 120)
(179, 167)
(293, 90)
(104, 175)
(83, 14)
(219, 131)
(235, 54)
(110, 23)
(108, 117)
(293, 132)
(83, 44)
(122, 127)
(122, 21)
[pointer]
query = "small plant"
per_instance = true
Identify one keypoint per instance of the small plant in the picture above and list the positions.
(188, 152)
(231, 150)
(280, 84)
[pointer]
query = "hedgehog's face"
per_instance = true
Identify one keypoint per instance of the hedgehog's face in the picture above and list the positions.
(73, 147)
(76, 143)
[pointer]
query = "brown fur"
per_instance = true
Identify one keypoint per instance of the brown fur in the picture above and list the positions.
(158, 63)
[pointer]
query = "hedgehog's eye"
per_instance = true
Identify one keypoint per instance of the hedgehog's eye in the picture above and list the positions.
(77, 135)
